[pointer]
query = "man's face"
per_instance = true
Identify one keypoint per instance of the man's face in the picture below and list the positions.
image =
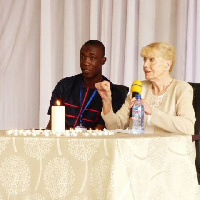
(91, 60)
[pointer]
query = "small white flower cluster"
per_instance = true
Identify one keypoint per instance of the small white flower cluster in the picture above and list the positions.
(72, 132)
(16, 132)
(97, 132)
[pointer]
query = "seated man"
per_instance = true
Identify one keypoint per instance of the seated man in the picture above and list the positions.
(83, 104)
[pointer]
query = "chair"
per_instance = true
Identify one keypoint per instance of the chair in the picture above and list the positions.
(123, 89)
(196, 105)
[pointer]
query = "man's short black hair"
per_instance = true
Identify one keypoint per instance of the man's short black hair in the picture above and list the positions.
(96, 43)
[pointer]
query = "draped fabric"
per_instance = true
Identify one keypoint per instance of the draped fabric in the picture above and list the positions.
(40, 42)
(101, 167)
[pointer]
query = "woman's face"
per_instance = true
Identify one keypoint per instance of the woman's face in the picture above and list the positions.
(155, 68)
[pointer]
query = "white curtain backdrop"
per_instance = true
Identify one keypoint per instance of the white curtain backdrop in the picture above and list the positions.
(40, 42)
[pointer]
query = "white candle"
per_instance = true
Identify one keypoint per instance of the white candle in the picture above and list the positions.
(89, 131)
(58, 118)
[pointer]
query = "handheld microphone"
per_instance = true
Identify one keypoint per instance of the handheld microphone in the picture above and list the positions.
(136, 88)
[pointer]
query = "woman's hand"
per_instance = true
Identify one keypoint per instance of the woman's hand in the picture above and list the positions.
(147, 107)
(104, 91)
(132, 102)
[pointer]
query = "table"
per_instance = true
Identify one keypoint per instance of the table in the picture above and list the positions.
(121, 166)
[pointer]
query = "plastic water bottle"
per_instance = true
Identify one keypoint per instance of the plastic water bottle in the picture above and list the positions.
(138, 116)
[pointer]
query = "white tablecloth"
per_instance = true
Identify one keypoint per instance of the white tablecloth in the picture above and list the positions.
(122, 166)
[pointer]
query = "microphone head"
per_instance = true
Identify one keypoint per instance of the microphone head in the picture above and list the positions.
(136, 87)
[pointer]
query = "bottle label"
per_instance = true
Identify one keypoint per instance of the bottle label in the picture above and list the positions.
(138, 119)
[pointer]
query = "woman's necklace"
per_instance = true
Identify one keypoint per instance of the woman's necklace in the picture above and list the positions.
(156, 100)
(163, 90)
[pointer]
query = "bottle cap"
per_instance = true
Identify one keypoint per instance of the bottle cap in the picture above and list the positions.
(138, 96)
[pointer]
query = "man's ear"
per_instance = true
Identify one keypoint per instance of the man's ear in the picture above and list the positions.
(103, 60)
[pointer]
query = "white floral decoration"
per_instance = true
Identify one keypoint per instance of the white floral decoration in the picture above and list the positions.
(59, 177)
(14, 175)
(3, 141)
(38, 148)
(99, 178)
(83, 150)
(34, 196)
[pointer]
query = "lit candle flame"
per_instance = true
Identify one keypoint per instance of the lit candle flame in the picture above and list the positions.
(58, 103)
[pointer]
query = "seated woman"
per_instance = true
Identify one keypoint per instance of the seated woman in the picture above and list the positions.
(167, 101)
